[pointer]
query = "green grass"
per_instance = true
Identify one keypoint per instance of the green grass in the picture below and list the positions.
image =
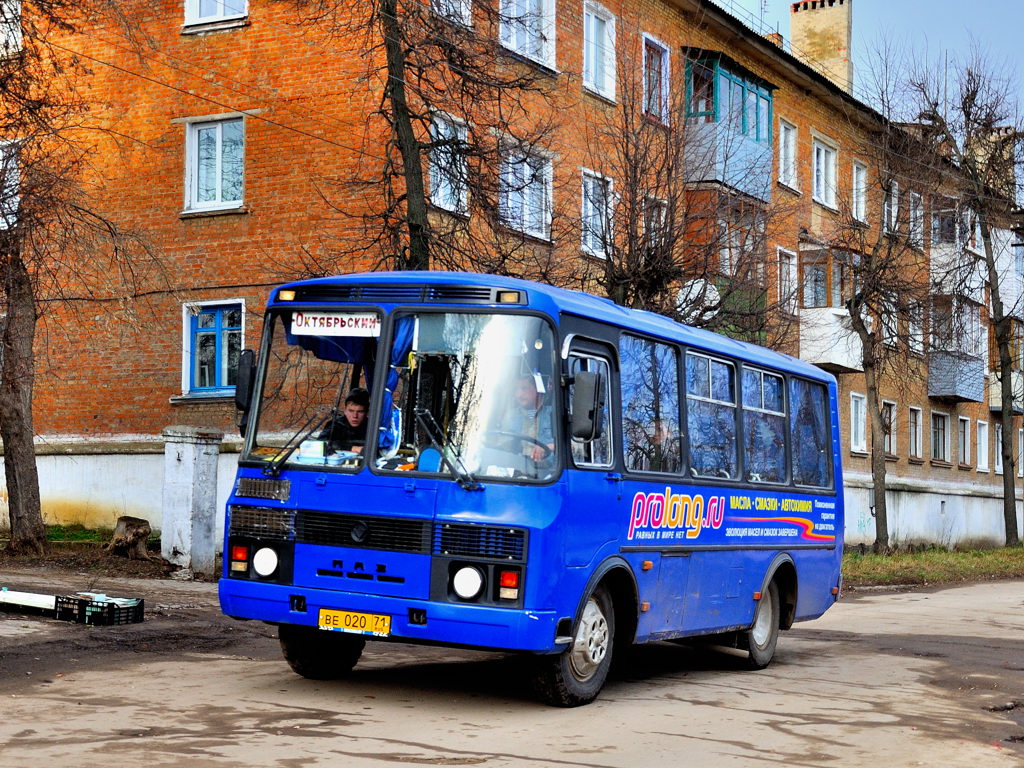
(78, 533)
(932, 566)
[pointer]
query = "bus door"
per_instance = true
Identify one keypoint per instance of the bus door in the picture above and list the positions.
(595, 503)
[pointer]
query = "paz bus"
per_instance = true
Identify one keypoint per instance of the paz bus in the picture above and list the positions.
(543, 471)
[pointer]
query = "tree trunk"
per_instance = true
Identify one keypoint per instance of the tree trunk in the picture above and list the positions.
(418, 256)
(130, 538)
(17, 376)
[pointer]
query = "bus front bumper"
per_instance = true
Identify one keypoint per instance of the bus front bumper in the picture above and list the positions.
(422, 621)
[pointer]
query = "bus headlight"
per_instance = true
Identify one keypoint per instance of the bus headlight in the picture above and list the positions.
(467, 582)
(264, 562)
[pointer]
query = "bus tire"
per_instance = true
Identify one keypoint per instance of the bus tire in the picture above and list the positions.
(760, 640)
(319, 654)
(575, 676)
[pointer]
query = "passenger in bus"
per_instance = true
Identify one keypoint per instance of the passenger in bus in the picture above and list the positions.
(531, 418)
(347, 430)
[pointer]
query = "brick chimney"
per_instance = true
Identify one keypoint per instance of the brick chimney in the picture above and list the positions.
(821, 31)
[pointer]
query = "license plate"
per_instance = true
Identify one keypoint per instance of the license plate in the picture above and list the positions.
(376, 624)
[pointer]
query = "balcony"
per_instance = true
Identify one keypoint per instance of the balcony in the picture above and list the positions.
(827, 340)
(715, 153)
(995, 394)
(956, 377)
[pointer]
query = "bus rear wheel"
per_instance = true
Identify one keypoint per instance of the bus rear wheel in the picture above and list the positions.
(576, 676)
(760, 640)
(319, 654)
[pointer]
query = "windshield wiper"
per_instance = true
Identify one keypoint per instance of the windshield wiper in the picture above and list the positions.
(457, 468)
(274, 468)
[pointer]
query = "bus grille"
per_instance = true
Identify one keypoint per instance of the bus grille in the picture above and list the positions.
(263, 488)
(363, 532)
(480, 541)
(453, 294)
(261, 522)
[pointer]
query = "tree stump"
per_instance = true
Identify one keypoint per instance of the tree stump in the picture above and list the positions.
(130, 537)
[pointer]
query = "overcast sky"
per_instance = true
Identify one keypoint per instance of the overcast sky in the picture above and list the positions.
(928, 28)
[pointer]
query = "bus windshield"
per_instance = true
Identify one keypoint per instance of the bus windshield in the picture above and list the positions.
(466, 395)
(471, 395)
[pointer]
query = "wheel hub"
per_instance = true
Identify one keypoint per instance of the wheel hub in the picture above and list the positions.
(590, 645)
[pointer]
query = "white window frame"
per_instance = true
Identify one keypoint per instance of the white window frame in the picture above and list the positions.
(227, 10)
(891, 208)
(982, 450)
(825, 162)
(915, 328)
(999, 449)
(915, 220)
(890, 443)
(662, 113)
(11, 41)
(595, 243)
(192, 129)
(859, 192)
(789, 279)
(941, 415)
(858, 423)
(448, 166)
(889, 322)
(963, 439)
(188, 310)
(1020, 452)
(915, 425)
(598, 50)
(528, 28)
(10, 184)
(787, 155)
(519, 197)
(655, 221)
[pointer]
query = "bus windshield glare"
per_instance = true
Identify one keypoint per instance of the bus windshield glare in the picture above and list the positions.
(463, 394)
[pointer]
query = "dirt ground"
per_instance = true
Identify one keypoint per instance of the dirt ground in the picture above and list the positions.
(94, 559)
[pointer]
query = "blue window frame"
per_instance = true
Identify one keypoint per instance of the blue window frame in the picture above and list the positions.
(717, 93)
(216, 341)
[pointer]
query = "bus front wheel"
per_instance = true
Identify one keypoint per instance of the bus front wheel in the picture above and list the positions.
(319, 654)
(576, 676)
(762, 637)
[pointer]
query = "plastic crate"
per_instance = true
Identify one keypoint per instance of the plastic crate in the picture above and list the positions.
(84, 610)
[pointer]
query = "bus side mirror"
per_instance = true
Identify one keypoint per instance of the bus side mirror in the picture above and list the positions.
(586, 406)
(243, 386)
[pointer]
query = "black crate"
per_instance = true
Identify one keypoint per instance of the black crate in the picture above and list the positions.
(99, 613)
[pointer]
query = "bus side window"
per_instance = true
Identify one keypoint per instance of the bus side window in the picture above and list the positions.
(650, 405)
(711, 416)
(809, 433)
(597, 452)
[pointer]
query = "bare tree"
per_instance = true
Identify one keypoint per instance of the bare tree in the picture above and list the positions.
(676, 210)
(463, 130)
(52, 241)
(973, 120)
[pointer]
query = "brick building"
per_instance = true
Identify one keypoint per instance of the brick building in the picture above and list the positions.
(227, 130)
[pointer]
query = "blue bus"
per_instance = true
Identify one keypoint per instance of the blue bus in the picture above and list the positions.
(523, 468)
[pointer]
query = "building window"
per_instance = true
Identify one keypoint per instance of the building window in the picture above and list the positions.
(656, 79)
(215, 158)
(213, 341)
(915, 221)
(940, 436)
(829, 277)
(963, 435)
(888, 320)
(528, 28)
(207, 11)
(10, 27)
(824, 190)
(787, 280)
(525, 195)
(944, 221)
(998, 449)
(859, 193)
(982, 446)
(656, 234)
(10, 184)
(915, 328)
(858, 423)
(459, 11)
(889, 427)
(448, 166)
(599, 50)
(914, 436)
(787, 155)
(717, 94)
(1020, 452)
(597, 214)
(891, 208)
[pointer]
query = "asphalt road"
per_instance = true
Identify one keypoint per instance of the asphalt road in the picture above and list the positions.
(888, 678)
